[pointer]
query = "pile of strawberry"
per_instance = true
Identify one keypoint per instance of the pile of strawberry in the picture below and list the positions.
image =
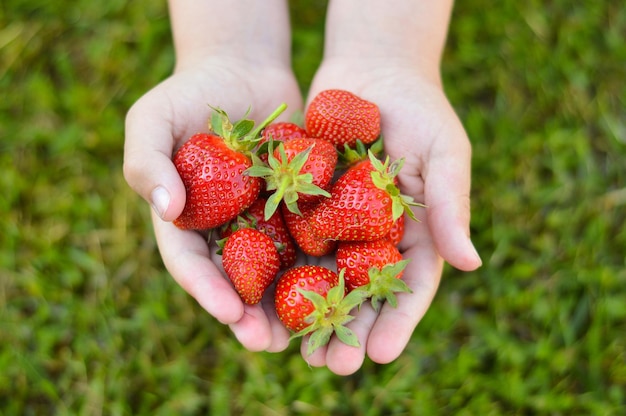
(276, 188)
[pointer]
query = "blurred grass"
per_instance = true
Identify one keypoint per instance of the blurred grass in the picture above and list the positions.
(90, 323)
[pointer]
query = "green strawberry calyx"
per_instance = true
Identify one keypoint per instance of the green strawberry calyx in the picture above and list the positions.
(383, 177)
(384, 284)
(350, 156)
(242, 135)
(284, 178)
(331, 314)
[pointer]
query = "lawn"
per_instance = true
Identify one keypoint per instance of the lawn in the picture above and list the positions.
(91, 323)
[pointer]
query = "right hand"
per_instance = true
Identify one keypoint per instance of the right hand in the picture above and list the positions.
(156, 125)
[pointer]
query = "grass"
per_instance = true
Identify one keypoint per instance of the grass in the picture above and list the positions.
(91, 323)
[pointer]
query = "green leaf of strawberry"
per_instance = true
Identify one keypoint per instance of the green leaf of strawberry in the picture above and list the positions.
(242, 135)
(374, 266)
(330, 315)
(385, 283)
(298, 169)
(312, 300)
(384, 177)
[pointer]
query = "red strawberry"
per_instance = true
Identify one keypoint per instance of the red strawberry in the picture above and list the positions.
(251, 262)
(300, 230)
(282, 131)
(364, 203)
(212, 168)
(298, 170)
(397, 231)
(342, 117)
(311, 300)
(274, 227)
(376, 266)
(357, 257)
(217, 190)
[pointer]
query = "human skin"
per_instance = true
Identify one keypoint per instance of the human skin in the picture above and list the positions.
(235, 57)
(239, 58)
(391, 56)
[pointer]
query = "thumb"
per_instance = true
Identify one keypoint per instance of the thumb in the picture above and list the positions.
(447, 189)
(148, 166)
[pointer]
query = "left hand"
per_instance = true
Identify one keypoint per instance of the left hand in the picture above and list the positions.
(419, 124)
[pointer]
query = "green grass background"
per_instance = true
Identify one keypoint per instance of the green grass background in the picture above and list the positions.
(92, 324)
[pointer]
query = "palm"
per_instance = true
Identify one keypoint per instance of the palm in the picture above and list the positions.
(176, 109)
(235, 87)
(418, 124)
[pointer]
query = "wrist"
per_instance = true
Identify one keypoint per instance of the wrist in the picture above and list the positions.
(409, 33)
(243, 30)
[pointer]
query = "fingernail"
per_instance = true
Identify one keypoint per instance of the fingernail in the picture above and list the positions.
(480, 261)
(160, 199)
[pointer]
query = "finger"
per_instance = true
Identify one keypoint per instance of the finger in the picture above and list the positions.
(148, 148)
(186, 256)
(343, 359)
(447, 195)
(394, 326)
(280, 334)
(317, 358)
(253, 330)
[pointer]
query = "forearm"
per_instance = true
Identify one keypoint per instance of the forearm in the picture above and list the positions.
(250, 29)
(407, 30)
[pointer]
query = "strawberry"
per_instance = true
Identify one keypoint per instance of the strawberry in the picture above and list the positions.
(312, 300)
(358, 256)
(300, 230)
(212, 165)
(342, 117)
(397, 231)
(274, 227)
(377, 266)
(282, 131)
(364, 203)
(251, 262)
(298, 170)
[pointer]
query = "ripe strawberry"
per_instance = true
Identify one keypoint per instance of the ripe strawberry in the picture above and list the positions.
(251, 262)
(312, 300)
(364, 204)
(300, 230)
(358, 256)
(282, 131)
(397, 231)
(274, 227)
(212, 168)
(342, 117)
(299, 169)
(377, 266)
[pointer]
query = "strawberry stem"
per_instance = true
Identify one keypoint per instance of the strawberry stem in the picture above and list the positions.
(282, 107)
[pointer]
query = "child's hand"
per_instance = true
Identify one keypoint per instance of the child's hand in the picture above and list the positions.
(418, 124)
(156, 126)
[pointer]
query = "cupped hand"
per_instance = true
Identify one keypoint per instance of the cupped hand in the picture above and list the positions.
(419, 124)
(156, 125)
